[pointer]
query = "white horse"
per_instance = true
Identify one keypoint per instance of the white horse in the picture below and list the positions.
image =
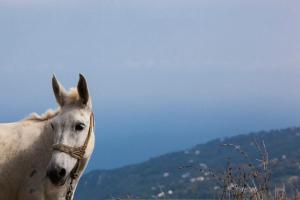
(43, 157)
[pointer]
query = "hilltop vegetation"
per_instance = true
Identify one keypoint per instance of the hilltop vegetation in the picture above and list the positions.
(194, 173)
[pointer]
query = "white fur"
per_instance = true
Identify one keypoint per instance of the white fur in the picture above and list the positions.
(26, 151)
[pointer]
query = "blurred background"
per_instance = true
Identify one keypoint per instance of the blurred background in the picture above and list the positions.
(163, 75)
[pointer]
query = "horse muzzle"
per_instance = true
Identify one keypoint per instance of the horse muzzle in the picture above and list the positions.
(57, 175)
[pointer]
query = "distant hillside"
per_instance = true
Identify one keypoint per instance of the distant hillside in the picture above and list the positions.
(187, 174)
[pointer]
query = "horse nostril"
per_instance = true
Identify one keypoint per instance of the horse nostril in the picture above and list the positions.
(62, 172)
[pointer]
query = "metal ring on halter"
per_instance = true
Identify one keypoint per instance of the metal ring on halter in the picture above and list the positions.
(77, 153)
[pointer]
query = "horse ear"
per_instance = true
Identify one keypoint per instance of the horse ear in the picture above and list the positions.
(59, 91)
(83, 90)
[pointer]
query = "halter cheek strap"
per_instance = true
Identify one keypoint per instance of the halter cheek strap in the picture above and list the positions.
(77, 153)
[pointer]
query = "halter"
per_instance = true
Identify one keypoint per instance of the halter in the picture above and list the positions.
(77, 153)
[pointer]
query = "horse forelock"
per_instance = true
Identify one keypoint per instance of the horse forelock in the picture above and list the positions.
(72, 96)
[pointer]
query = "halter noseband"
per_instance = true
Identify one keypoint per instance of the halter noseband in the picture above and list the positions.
(77, 153)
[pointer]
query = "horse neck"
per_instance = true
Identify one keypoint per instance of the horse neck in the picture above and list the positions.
(42, 140)
(38, 136)
(27, 150)
(28, 146)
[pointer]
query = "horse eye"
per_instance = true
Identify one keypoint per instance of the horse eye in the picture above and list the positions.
(79, 127)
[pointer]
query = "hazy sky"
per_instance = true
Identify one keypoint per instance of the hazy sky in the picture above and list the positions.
(164, 74)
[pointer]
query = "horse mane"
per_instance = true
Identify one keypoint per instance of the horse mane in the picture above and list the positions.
(72, 97)
(49, 114)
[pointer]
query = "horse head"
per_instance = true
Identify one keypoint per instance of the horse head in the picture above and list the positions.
(72, 131)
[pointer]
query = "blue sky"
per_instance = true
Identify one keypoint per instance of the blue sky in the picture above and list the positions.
(164, 75)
